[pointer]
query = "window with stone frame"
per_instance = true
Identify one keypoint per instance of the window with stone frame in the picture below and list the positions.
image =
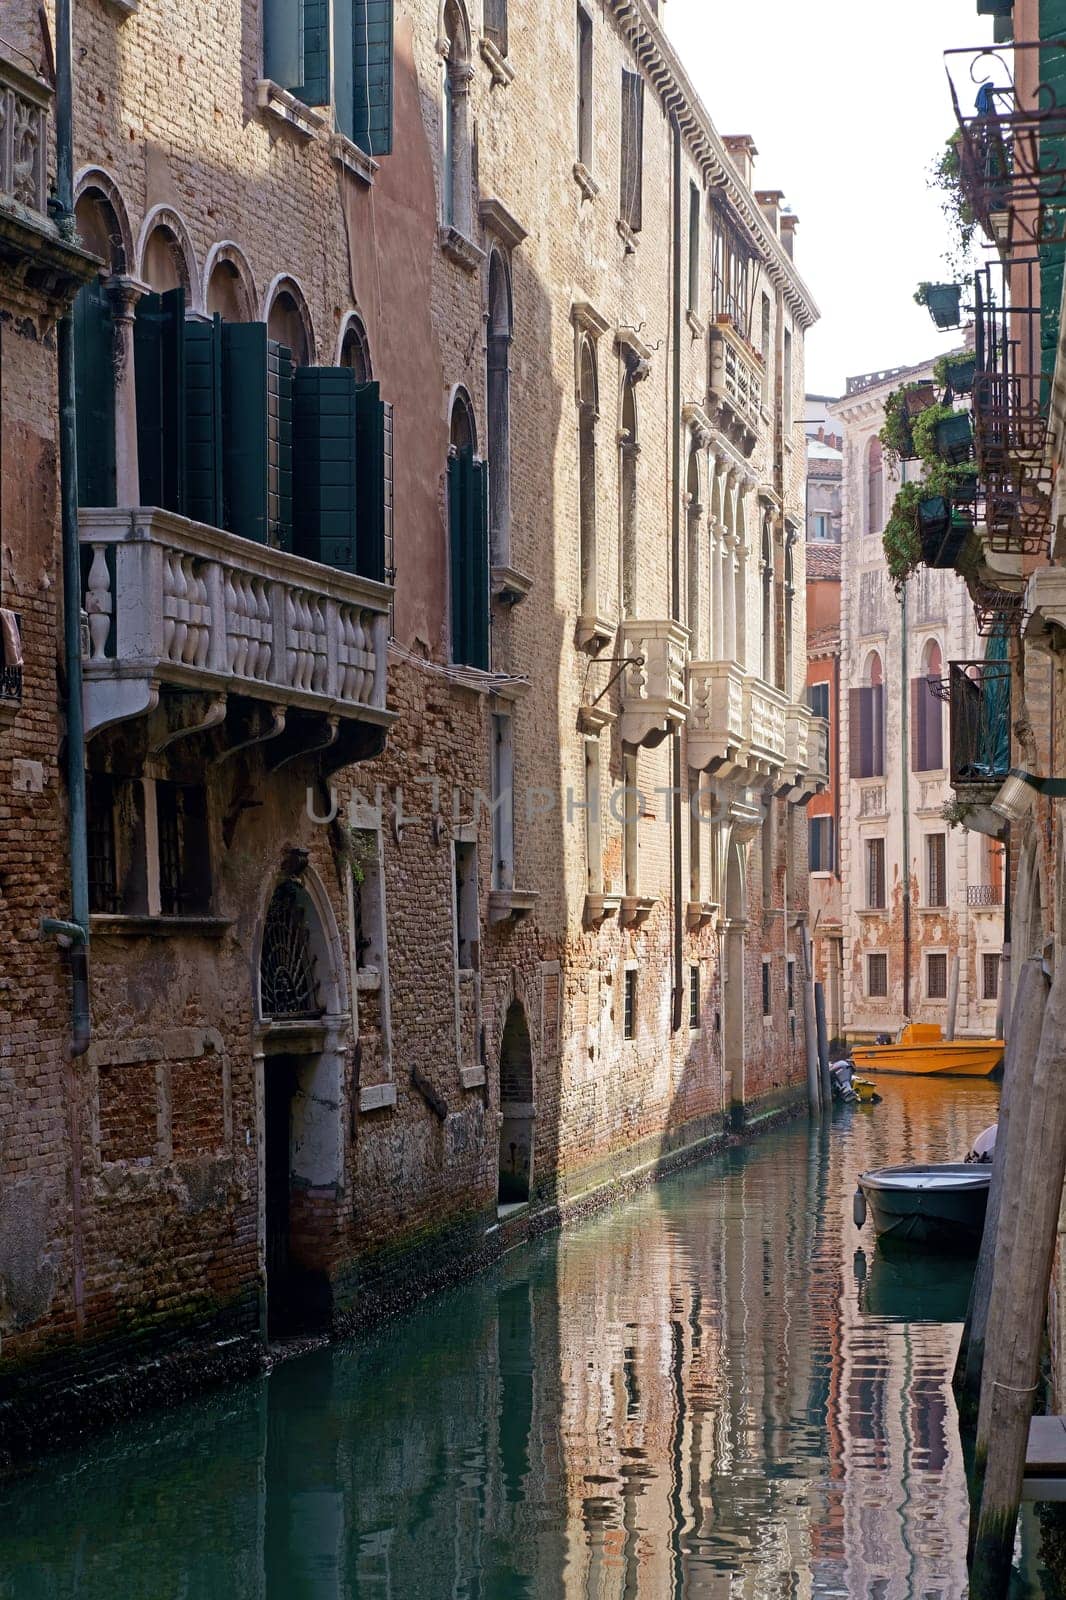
(694, 1011)
(867, 722)
(631, 186)
(336, 53)
(877, 975)
(695, 207)
(936, 869)
(629, 1004)
(456, 134)
(148, 847)
(875, 874)
(496, 24)
(936, 975)
(467, 910)
(584, 87)
(990, 965)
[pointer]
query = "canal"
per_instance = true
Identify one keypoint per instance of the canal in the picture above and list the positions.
(717, 1389)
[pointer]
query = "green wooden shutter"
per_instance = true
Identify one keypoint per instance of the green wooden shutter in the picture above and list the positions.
(459, 472)
(324, 466)
(159, 370)
(479, 566)
(256, 435)
(279, 378)
(296, 47)
(94, 379)
(245, 429)
(203, 421)
(370, 481)
(372, 75)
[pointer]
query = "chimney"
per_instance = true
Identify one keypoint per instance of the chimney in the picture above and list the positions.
(789, 224)
(769, 201)
(742, 151)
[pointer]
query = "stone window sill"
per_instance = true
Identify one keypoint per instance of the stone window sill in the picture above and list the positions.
(598, 907)
(368, 980)
(123, 926)
(635, 909)
(696, 324)
(698, 913)
(458, 248)
(352, 159)
(593, 719)
(871, 911)
(594, 633)
(509, 585)
(511, 905)
(628, 237)
(585, 181)
(283, 108)
(933, 911)
(498, 65)
(377, 1097)
(123, 8)
(472, 1077)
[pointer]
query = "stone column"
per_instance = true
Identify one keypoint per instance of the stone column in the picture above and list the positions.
(124, 294)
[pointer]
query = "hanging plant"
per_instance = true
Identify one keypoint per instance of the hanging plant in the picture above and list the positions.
(942, 301)
(896, 434)
(901, 540)
(945, 174)
(924, 430)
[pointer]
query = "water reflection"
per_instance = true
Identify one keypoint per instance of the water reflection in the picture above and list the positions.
(719, 1390)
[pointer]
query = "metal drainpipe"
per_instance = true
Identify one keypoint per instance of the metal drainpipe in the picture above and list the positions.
(675, 587)
(74, 933)
(904, 724)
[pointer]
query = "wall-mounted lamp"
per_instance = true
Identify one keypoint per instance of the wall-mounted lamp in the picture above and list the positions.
(1019, 791)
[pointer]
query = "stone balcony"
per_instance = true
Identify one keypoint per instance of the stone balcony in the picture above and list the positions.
(806, 770)
(736, 386)
(173, 605)
(653, 683)
(737, 723)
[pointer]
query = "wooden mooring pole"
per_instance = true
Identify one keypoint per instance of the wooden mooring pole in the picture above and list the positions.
(1025, 1245)
(1023, 1042)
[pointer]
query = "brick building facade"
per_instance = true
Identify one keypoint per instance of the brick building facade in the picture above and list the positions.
(389, 964)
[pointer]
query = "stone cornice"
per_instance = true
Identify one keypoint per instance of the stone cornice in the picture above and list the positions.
(671, 82)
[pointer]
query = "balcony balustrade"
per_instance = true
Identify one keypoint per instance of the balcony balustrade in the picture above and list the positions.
(806, 753)
(737, 723)
(653, 682)
(173, 603)
(735, 386)
(984, 896)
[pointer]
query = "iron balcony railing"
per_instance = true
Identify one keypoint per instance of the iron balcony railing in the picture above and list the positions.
(1012, 141)
(980, 722)
(980, 895)
(1010, 392)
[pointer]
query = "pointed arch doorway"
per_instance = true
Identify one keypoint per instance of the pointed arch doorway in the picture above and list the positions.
(516, 1110)
(300, 1059)
(733, 947)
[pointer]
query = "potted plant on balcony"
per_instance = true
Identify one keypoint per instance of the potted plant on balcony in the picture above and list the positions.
(943, 434)
(896, 434)
(955, 373)
(941, 300)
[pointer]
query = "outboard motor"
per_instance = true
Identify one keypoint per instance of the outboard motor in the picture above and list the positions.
(840, 1076)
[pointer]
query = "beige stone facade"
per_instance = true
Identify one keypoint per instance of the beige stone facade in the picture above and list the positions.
(516, 990)
(895, 767)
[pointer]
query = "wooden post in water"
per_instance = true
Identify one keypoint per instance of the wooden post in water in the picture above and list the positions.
(1032, 1195)
(1023, 1042)
(814, 1082)
(953, 997)
(823, 1044)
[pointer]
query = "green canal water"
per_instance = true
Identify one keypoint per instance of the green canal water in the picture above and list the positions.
(718, 1389)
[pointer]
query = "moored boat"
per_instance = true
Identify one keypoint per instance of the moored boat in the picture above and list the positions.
(922, 1050)
(941, 1204)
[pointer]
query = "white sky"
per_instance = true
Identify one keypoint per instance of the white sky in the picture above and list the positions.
(848, 105)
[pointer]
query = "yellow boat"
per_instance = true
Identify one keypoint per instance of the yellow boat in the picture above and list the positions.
(923, 1049)
(866, 1091)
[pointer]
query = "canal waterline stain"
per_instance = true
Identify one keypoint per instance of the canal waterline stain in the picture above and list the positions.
(719, 1388)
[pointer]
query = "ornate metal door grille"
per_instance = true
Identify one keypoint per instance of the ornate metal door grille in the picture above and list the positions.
(287, 979)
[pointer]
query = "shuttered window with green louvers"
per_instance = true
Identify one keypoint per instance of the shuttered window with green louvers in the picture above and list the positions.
(296, 48)
(370, 481)
(94, 374)
(468, 531)
(257, 376)
(203, 421)
(324, 466)
(159, 366)
(372, 75)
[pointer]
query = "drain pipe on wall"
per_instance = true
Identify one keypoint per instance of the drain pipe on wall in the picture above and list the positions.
(73, 934)
(904, 755)
(675, 577)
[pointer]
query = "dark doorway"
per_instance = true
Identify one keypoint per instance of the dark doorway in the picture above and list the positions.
(516, 1110)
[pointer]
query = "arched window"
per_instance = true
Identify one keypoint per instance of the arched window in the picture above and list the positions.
(289, 322)
(866, 721)
(630, 459)
(95, 324)
(694, 510)
(288, 975)
(163, 262)
(230, 290)
(456, 141)
(159, 343)
(767, 566)
(927, 713)
(468, 541)
(499, 397)
(875, 489)
(740, 583)
(587, 416)
(355, 350)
